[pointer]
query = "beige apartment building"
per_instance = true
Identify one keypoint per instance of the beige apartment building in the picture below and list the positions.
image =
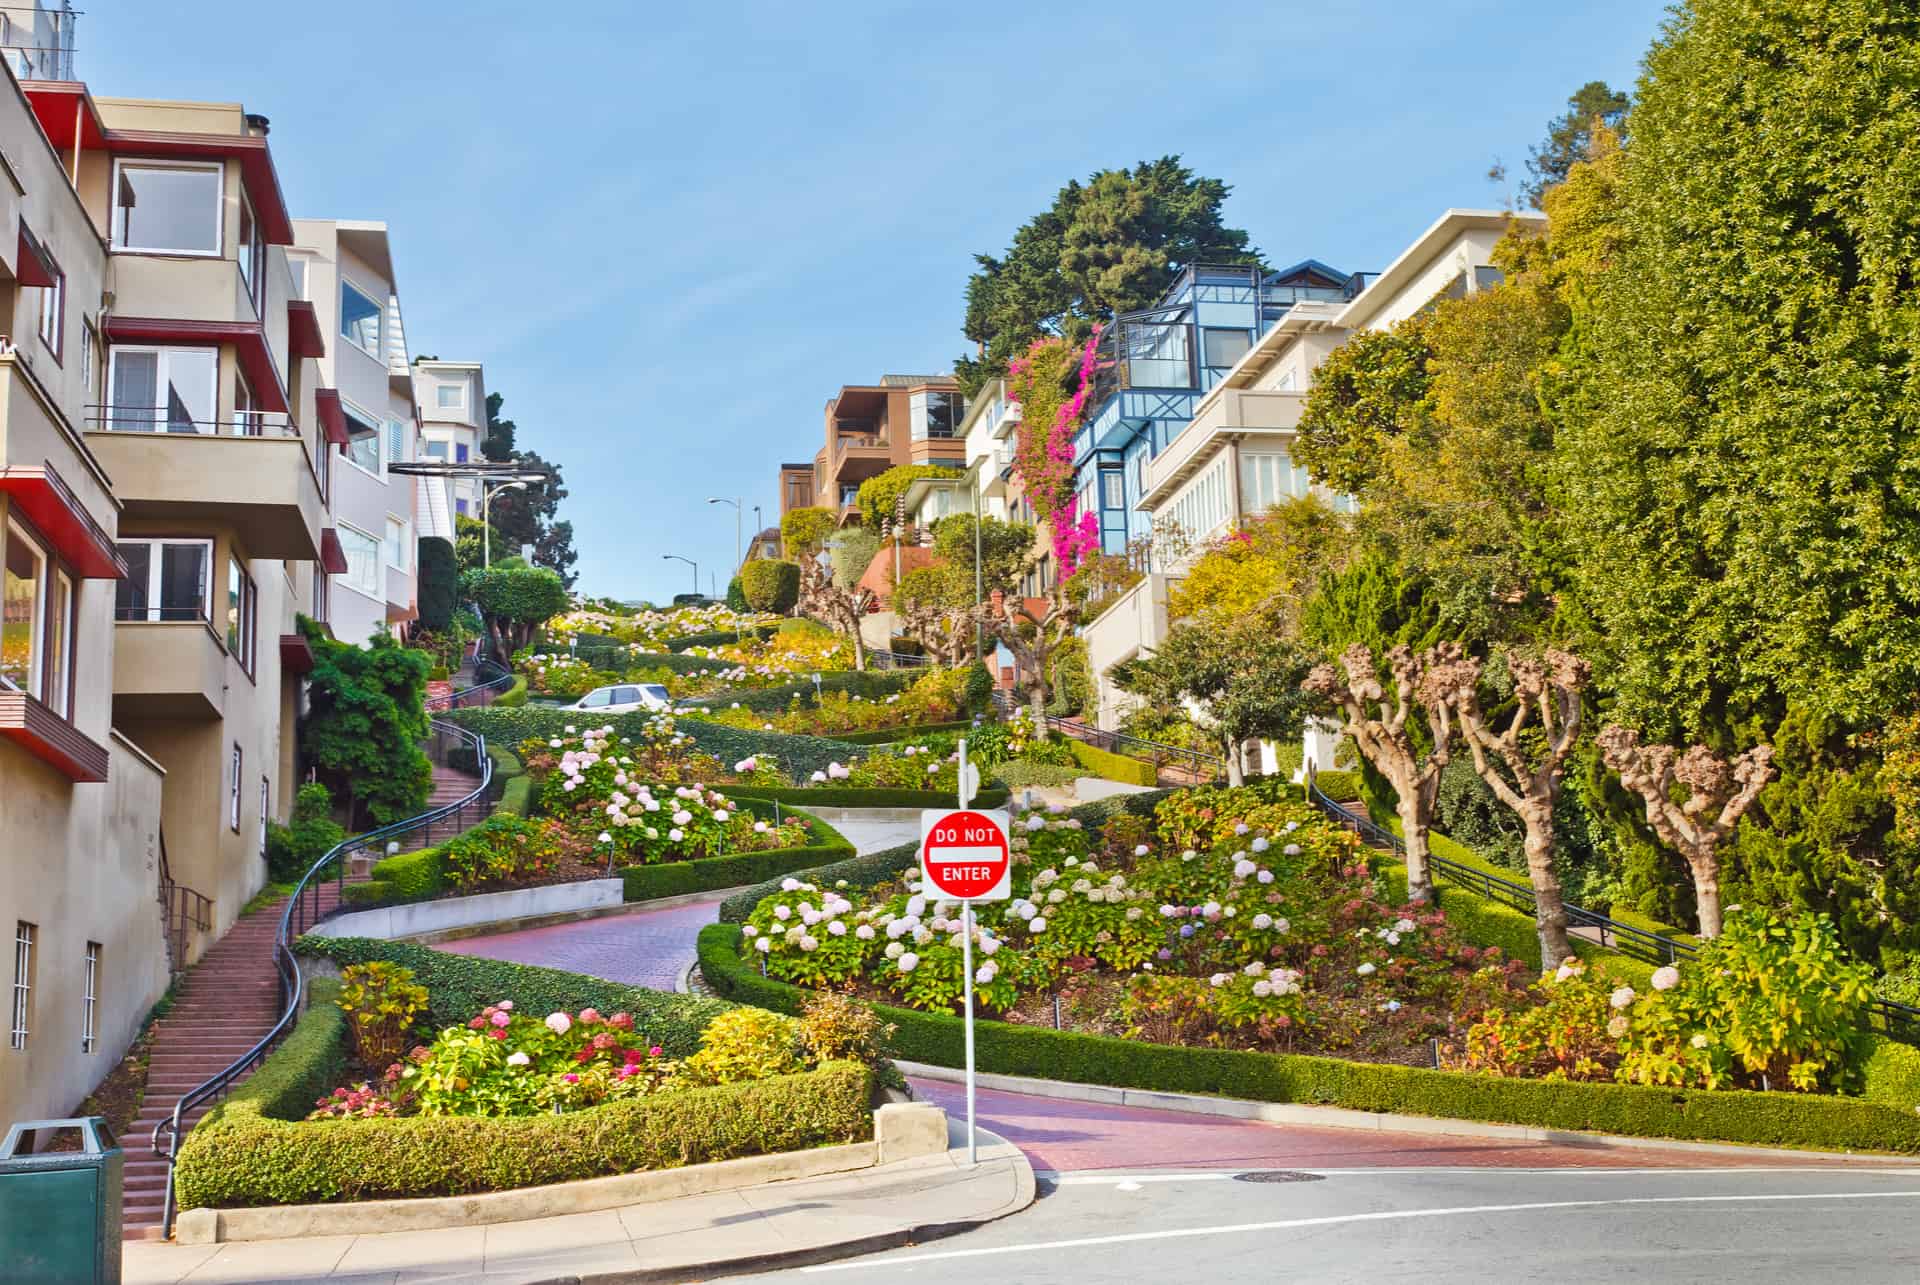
(870, 428)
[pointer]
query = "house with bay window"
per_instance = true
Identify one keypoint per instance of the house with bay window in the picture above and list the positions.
(1228, 454)
(344, 270)
(450, 400)
(870, 428)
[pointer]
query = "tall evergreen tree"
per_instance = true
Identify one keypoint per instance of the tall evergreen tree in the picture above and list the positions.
(1570, 136)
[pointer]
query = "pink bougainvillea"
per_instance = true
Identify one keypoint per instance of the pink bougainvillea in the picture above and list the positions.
(1043, 456)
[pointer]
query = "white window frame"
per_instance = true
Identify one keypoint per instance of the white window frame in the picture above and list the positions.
(391, 548)
(380, 311)
(459, 401)
(251, 255)
(90, 1000)
(61, 650)
(162, 354)
(23, 934)
(122, 164)
(42, 559)
(379, 471)
(88, 362)
(237, 766)
(53, 313)
(378, 591)
(153, 576)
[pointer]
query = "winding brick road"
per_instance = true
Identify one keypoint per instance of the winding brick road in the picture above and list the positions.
(648, 948)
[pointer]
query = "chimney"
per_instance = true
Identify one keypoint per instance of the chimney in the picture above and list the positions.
(257, 125)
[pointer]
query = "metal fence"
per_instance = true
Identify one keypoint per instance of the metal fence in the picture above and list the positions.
(491, 677)
(1901, 1021)
(309, 904)
(1204, 768)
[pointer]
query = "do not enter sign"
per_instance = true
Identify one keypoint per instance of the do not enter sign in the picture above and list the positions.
(964, 855)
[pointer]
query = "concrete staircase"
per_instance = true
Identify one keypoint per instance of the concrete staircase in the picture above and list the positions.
(226, 1004)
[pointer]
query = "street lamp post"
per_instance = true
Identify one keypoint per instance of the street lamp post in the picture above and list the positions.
(674, 557)
(486, 527)
(738, 552)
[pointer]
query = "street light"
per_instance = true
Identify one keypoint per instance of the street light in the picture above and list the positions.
(737, 551)
(486, 534)
(674, 557)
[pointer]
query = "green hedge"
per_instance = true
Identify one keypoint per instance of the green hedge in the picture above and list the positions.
(720, 637)
(1341, 787)
(253, 1149)
(1766, 1119)
(1019, 774)
(829, 796)
(730, 870)
(891, 735)
(514, 696)
(518, 798)
(1113, 767)
(798, 755)
(878, 867)
(458, 986)
(765, 700)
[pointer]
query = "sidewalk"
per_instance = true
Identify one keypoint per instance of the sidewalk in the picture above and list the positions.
(781, 1224)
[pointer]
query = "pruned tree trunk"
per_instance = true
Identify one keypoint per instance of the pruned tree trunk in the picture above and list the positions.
(1718, 795)
(1522, 767)
(1381, 730)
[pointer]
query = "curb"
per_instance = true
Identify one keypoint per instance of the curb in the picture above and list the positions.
(1323, 1117)
(900, 1238)
(496, 927)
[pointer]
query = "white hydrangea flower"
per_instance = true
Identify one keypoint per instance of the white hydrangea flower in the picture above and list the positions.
(1365, 970)
(1621, 997)
(908, 962)
(1665, 979)
(1261, 844)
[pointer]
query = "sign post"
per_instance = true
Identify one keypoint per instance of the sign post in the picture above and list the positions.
(964, 857)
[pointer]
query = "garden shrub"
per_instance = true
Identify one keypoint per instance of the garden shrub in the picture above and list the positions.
(1023, 774)
(380, 1001)
(439, 582)
(797, 754)
(1765, 1119)
(1890, 1073)
(770, 584)
(720, 637)
(458, 986)
(893, 735)
(871, 684)
(977, 694)
(1341, 787)
(745, 1044)
(515, 695)
(1114, 767)
(310, 833)
(677, 878)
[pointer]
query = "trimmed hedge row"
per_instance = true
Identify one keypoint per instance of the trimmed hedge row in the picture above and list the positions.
(1341, 787)
(1768, 1119)
(721, 637)
(829, 796)
(890, 735)
(253, 1149)
(458, 986)
(878, 867)
(515, 695)
(765, 700)
(1113, 767)
(800, 755)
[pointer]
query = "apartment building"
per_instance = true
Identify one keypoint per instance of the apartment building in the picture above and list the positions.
(1232, 457)
(80, 798)
(451, 404)
(344, 270)
(870, 428)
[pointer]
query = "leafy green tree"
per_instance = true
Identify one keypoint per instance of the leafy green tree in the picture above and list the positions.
(1247, 679)
(439, 583)
(469, 543)
(1005, 548)
(310, 833)
(528, 515)
(1110, 245)
(1738, 472)
(1370, 391)
(513, 602)
(1570, 136)
(1371, 601)
(366, 716)
(879, 496)
(805, 532)
(770, 584)
(851, 553)
(736, 596)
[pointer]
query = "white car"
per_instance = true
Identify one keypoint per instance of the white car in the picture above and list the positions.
(624, 698)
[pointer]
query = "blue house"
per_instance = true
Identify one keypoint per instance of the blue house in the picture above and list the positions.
(1153, 366)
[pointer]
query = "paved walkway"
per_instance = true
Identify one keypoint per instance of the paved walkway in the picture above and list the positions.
(778, 1224)
(650, 948)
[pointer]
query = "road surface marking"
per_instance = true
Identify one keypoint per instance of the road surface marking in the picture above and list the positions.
(1333, 1220)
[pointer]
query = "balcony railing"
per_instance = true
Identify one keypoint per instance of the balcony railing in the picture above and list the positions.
(857, 441)
(163, 614)
(108, 418)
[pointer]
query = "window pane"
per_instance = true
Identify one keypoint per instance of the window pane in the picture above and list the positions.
(1224, 347)
(189, 374)
(436, 450)
(363, 560)
(363, 442)
(450, 395)
(136, 384)
(460, 453)
(20, 612)
(130, 594)
(594, 700)
(359, 319)
(183, 581)
(236, 582)
(59, 642)
(167, 208)
(297, 267)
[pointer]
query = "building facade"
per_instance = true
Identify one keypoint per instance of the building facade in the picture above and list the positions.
(870, 428)
(450, 399)
(345, 271)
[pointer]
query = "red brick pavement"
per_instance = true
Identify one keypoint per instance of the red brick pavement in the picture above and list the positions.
(648, 948)
(1064, 1136)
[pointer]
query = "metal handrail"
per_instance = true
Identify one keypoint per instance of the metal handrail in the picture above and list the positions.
(301, 912)
(1901, 1021)
(1201, 763)
(478, 694)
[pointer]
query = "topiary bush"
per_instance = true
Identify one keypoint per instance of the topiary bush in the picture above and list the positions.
(439, 583)
(977, 695)
(1114, 767)
(1019, 774)
(771, 585)
(310, 833)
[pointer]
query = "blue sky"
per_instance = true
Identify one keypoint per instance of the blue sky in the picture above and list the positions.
(671, 232)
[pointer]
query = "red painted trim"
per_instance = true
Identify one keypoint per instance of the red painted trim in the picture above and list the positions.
(40, 494)
(249, 339)
(333, 419)
(53, 106)
(333, 557)
(35, 266)
(256, 167)
(304, 336)
(50, 738)
(296, 654)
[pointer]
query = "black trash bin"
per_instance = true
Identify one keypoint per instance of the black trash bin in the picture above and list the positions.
(60, 1210)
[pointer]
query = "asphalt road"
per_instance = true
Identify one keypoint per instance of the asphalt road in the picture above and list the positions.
(1432, 1225)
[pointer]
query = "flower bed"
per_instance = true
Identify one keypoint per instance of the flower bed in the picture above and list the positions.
(657, 630)
(823, 796)
(797, 755)
(255, 1149)
(934, 697)
(1241, 919)
(869, 683)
